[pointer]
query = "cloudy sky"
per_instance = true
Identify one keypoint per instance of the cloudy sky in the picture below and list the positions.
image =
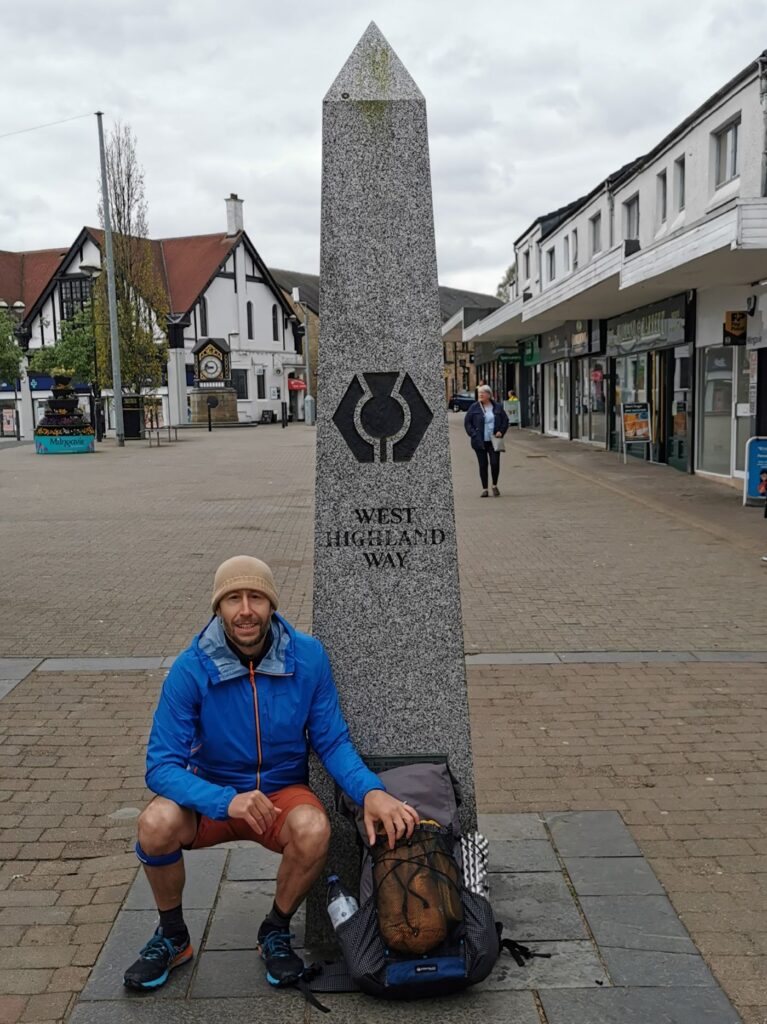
(530, 105)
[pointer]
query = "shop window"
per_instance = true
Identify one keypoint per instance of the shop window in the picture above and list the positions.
(249, 312)
(575, 248)
(596, 233)
(679, 183)
(662, 196)
(526, 264)
(567, 254)
(240, 383)
(260, 384)
(631, 218)
(726, 153)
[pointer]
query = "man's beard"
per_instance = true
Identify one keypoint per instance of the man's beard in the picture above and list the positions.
(244, 643)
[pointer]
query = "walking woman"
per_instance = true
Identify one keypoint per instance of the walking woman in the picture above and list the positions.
(486, 422)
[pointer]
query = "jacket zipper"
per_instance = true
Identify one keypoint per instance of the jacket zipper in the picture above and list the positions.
(258, 724)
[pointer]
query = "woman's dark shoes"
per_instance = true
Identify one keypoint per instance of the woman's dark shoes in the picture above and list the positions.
(483, 494)
(496, 492)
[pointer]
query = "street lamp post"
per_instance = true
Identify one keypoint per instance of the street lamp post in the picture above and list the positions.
(22, 334)
(93, 271)
(309, 403)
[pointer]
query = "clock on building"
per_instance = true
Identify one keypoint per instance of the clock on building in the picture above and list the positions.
(212, 362)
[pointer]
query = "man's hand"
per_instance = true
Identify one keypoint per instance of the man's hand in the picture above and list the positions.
(255, 808)
(397, 818)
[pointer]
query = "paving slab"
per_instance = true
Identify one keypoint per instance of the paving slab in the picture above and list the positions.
(6, 685)
(473, 1007)
(570, 965)
(241, 908)
(514, 658)
(144, 1010)
(535, 906)
(591, 834)
(636, 964)
(511, 826)
(648, 968)
(100, 664)
(230, 974)
(522, 855)
(638, 1006)
(612, 876)
(204, 869)
(624, 657)
(636, 922)
(131, 930)
(17, 668)
(252, 864)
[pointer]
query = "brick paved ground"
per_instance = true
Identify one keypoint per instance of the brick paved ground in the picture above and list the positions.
(592, 557)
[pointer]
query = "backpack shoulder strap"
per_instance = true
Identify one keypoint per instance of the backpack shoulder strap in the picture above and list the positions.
(329, 977)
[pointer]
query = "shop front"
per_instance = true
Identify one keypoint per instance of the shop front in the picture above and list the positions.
(555, 358)
(729, 362)
(651, 351)
(531, 383)
(590, 378)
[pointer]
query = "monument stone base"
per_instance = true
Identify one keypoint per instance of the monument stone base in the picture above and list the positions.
(224, 412)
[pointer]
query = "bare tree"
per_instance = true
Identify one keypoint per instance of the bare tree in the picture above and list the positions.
(503, 291)
(142, 302)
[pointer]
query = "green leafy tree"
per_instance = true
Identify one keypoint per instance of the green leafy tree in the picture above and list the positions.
(142, 302)
(10, 353)
(74, 349)
(503, 291)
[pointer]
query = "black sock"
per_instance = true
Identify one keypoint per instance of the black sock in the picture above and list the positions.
(275, 921)
(172, 923)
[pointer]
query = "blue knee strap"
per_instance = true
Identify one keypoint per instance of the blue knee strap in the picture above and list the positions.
(158, 862)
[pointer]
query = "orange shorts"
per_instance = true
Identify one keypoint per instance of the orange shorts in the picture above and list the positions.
(211, 832)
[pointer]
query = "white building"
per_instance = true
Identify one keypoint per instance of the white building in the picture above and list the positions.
(621, 295)
(217, 286)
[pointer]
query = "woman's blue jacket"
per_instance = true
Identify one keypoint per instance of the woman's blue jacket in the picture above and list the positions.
(474, 423)
(220, 729)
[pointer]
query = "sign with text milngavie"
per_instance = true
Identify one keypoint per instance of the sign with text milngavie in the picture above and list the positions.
(649, 327)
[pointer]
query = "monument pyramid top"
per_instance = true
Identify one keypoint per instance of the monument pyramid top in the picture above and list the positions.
(373, 72)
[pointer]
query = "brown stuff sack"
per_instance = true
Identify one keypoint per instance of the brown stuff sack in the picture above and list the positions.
(417, 887)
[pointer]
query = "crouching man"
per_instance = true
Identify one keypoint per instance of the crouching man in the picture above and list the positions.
(227, 758)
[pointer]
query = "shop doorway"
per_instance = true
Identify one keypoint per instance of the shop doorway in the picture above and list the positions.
(726, 420)
(557, 404)
(679, 387)
(589, 398)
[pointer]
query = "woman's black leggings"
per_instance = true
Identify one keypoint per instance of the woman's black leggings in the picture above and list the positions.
(488, 452)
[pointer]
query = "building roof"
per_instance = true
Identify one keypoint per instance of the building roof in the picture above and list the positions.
(308, 284)
(190, 263)
(24, 275)
(450, 299)
(453, 299)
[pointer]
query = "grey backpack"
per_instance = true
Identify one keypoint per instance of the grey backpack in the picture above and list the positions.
(419, 931)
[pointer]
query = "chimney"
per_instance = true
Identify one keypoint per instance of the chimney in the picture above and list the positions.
(233, 215)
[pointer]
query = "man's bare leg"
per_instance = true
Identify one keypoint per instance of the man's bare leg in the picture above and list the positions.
(304, 837)
(163, 827)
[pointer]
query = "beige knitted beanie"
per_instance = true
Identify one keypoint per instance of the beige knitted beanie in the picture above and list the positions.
(243, 573)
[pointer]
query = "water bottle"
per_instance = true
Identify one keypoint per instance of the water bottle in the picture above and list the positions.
(341, 903)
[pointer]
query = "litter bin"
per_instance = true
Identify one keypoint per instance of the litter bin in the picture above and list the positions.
(133, 417)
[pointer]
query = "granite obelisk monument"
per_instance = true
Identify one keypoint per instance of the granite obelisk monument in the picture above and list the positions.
(386, 596)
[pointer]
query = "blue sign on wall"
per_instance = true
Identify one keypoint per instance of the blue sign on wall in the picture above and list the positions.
(756, 465)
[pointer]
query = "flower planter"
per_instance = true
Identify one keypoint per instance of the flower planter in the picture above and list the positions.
(63, 444)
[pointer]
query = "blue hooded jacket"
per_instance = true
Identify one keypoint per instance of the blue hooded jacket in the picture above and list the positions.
(218, 731)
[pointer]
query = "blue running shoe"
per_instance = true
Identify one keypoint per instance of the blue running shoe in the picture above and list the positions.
(283, 966)
(156, 960)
